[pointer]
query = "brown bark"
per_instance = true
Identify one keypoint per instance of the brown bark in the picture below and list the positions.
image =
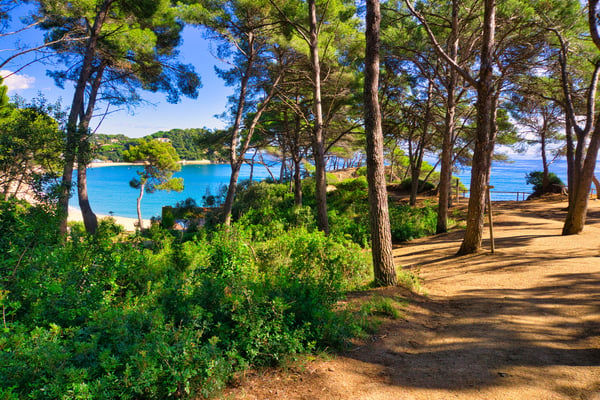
(485, 136)
(78, 104)
(417, 163)
(583, 162)
(235, 133)
(577, 212)
(139, 206)
(236, 155)
(90, 220)
(318, 139)
(445, 187)
(381, 239)
(597, 185)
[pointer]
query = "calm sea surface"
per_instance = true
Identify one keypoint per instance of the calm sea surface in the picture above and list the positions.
(109, 189)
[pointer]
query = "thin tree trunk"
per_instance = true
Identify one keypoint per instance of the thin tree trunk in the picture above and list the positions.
(228, 206)
(283, 167)
(545, 170)
(297, 184)
(416, 171)
(570, 159)
(381, 238)
(318, 139)
(445, 187)
(139, 206)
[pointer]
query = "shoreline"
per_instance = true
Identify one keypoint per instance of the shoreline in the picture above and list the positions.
(101, 164)
(129, 224)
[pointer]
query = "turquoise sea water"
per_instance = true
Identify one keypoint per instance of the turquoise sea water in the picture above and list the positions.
(510, 177)
(109, 190)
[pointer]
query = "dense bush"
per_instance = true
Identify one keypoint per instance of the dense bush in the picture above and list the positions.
(423, 186)
(409, 223)
(269, 209)
(536, 178)
(111, 316)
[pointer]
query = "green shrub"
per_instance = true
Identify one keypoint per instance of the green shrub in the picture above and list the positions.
(408, 222)
(110, 316)
(536, 179)
(423, 186)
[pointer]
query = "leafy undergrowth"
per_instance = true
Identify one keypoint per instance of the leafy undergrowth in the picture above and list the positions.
(348, 210)
(153, 317)
(126, 317)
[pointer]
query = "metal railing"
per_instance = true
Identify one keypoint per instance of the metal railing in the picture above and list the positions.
(519, 196)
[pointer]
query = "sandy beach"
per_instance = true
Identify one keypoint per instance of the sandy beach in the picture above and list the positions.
(127, 223)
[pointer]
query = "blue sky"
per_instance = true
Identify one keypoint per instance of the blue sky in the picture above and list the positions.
(146, 118)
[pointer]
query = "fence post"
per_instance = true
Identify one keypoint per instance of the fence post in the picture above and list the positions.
(457, 191)
(490, 222)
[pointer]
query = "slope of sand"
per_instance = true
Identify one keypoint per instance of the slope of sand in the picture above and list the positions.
(128, 223)
(523, 323)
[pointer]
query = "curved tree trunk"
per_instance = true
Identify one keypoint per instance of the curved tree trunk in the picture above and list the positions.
(381, 238)
(84, 154)
(577, 212)
(77, 105)
(89, 218)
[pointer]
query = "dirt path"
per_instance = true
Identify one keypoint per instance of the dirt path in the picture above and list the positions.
(523, 323)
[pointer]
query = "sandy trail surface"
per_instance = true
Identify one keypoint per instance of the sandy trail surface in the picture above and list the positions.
(523, 323)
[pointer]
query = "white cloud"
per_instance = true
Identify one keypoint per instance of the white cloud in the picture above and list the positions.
(17, 81)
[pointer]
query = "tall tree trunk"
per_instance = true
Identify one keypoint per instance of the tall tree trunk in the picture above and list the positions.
(297, 183)
(233, 148)
(416, 170)
(283, 168)
(318, 139)
(83, 155)
(580, 163)
(485, 136)
(445, 187)
(381, 238)
(570, 159)
(139, 206)
(73, 132)
(545, 169)
(228, 206)
(251, 178)
(577, 212)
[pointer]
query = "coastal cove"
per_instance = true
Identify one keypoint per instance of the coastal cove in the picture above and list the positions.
(110, 193)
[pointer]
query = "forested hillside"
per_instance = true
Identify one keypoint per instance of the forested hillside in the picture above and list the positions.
(185, 141)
